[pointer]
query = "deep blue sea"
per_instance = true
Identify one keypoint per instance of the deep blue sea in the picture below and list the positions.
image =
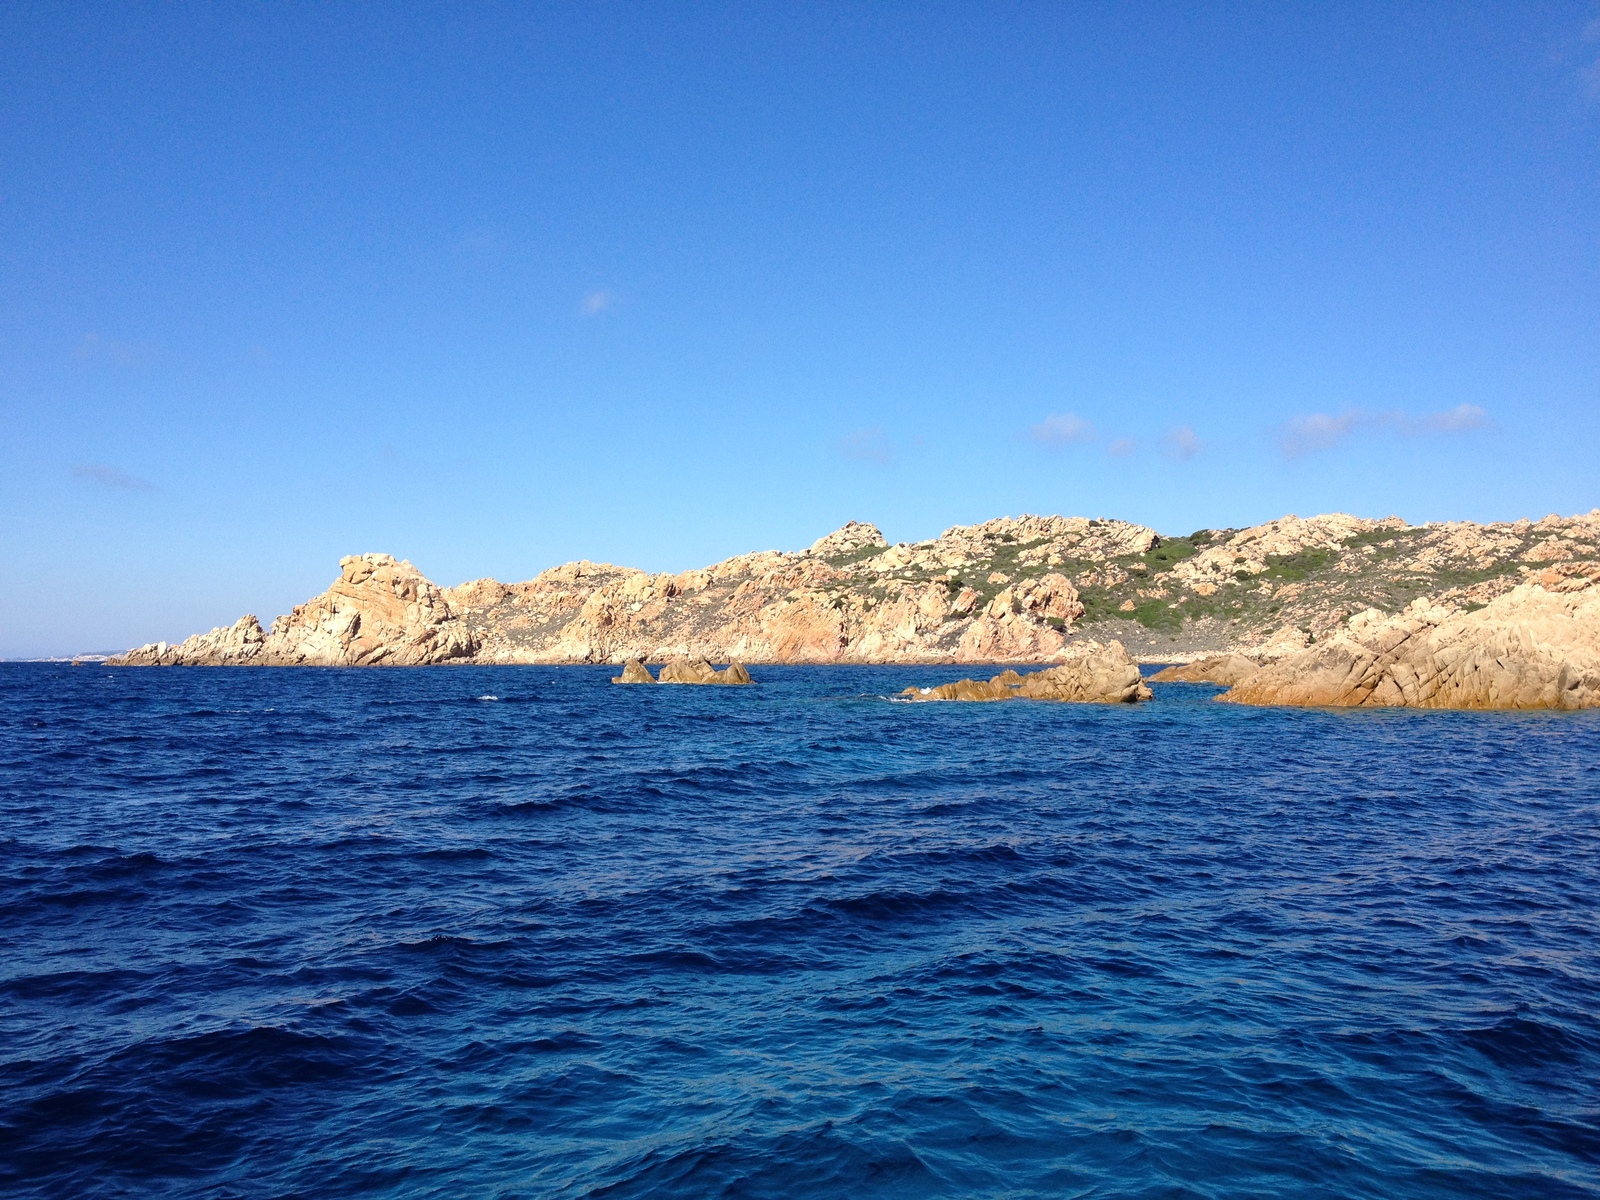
(503, 932)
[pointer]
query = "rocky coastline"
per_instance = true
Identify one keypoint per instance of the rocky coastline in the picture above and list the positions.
(1327, 610)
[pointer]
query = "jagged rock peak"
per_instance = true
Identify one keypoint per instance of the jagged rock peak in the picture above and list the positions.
(847, 539)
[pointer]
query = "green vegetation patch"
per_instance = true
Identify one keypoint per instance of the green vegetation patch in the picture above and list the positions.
(1292, 568)
(1167, 553)
(859, 554)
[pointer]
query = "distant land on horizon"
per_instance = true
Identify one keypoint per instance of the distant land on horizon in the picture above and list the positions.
(1012, 589)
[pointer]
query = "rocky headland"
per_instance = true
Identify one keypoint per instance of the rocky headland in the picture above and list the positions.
(1534, 647)
(1249, 608)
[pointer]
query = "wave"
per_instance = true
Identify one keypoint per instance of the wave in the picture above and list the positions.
(374, 937)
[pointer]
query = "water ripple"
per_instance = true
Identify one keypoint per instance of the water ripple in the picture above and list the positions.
(515, 932)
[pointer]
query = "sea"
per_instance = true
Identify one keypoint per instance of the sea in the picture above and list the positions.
(517, 932)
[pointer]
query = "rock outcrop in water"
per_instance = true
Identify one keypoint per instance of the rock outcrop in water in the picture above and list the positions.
(684, 670)
(1226, 669)
(1092, 674)
(1021, 590)
(1531, 648)
(698, 670)
(634, 671)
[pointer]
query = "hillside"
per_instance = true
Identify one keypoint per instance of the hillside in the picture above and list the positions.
(1014, 589)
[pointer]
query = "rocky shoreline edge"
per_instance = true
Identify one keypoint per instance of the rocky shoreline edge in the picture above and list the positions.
(1327, 611)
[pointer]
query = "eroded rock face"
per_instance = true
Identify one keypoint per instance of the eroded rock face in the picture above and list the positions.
(1226, 669)
(633, 672)
(379, 611)
(1092, 674)
(1531, 648)
(236, 645)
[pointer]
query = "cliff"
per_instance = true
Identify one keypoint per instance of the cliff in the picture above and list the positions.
(1009, 590)
(1534, 647)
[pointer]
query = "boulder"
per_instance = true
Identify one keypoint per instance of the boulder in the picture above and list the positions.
(698, 670)
(1092, 673)
(964, 689)
(1226, 669)
(633, 672)
(1530, 648)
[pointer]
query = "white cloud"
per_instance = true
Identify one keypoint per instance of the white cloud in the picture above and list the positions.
(1315, 432)
(111, 477)
(1182, 443)
(597, 302)
(1062, 429)
(1456, 420)
(1318, 431)
(866, 445)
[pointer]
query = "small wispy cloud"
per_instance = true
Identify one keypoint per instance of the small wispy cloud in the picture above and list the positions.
(1062, 429)
(1122, 447)
(866, 445)
(1589, 72)
(118, 351)
(597, 302)
(1182, 443)
(1455, 420)
(111, 477)
(1589, 77)
(1316, 432)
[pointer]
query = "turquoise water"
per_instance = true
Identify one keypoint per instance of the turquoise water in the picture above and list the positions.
(515, 932)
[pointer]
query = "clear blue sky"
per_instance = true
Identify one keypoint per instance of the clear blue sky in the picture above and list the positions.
(493, 287)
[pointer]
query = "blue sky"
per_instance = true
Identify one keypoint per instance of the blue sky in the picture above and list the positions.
(495, 287)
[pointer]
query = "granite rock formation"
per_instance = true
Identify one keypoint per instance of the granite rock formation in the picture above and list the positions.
(1015, 589)
(634, 671)
(379, 611)
(1092, 674)
(849, 597)
(698, 670)
(1226, 669)
(1534, 647)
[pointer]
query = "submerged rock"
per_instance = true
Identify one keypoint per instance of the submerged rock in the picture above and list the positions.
(1093, 674)
(1226, 669)
(1531, 648)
